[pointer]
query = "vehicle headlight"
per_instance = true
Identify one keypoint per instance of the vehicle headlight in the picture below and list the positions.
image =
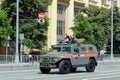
(55, 59)
(41, 59)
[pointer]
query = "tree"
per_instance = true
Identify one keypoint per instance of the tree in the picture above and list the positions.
(83, 29)
(28, 12)
(35, 33)
(99, 18)
(116, 21)
(5, 28)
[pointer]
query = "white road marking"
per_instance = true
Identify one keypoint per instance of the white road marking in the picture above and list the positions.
(103, 77)
(74, 76)
(45, 76)
(84, 79)
(100, 73)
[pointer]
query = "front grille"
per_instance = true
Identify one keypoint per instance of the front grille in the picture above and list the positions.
(46, 60)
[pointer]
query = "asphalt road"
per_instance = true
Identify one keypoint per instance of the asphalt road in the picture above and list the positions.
(105, 71)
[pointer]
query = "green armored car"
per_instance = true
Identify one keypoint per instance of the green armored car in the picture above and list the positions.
(67, 57)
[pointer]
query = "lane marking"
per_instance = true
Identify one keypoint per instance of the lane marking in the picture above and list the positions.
(92, 75)
(84, 79)
(67, 77)
(43, 77)
(103, 77)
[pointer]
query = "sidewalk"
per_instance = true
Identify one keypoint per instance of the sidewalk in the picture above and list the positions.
(115, 60)
(36, 64)
(15, 65)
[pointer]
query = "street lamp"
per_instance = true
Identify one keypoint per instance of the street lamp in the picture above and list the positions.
(112, 2)
(17, 32)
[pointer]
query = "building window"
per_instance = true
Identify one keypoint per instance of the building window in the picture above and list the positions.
(60, 27)
(104, 2)
(76, 11)
(61, 9)
(115, 3)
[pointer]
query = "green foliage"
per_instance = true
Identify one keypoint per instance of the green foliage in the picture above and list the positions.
(100, 21)
(83, 29)
(43, 52)
(30, 8)
(34, 33)
(116, 30)
(5, 28)
(28, 13)
(116, 24)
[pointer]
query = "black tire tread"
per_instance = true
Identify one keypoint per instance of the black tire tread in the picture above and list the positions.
(91, 66)
(62, 65)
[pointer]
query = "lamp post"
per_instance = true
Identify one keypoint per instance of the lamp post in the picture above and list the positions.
(17, 32)
(112, 2)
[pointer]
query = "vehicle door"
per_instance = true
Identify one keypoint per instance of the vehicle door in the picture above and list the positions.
(83, 59)
(75, 59)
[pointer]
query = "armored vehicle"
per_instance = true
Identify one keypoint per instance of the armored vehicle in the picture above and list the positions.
(67, 57)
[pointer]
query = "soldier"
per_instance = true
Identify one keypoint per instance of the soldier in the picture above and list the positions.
(67, 39)
(74, 39)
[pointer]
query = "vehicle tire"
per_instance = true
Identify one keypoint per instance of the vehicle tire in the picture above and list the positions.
(73, 69)
(91, 66)
(64, 67)
(45, 70)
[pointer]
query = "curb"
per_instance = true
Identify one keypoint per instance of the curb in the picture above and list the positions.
(110, 62)
(16, 65)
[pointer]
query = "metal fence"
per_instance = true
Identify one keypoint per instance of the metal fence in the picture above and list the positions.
(36, 58)
(23, 59)
(107, 57)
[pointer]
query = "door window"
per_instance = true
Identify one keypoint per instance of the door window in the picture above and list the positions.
(76, 50)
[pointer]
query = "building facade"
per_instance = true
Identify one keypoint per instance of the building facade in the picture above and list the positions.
(61, 14)
(1, 3)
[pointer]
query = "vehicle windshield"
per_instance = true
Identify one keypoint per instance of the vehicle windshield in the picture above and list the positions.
(63, 49)
(58, 49)
(66, 49)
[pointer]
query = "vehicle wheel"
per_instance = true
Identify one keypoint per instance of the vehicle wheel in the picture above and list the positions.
(90, 66)
(64, 67)
(73, 69)
(45, 70)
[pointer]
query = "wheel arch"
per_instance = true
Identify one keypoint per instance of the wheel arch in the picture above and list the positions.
(94, 60)
(57, 64)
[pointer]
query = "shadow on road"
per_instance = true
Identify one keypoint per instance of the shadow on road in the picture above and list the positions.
(56, 72)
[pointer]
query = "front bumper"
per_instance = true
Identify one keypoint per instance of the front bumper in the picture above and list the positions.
(49, 62)
(48, 65)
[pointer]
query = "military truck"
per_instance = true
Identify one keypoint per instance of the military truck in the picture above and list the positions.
(67, 57)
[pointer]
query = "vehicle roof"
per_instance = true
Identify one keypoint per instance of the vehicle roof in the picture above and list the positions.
(72, 45)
